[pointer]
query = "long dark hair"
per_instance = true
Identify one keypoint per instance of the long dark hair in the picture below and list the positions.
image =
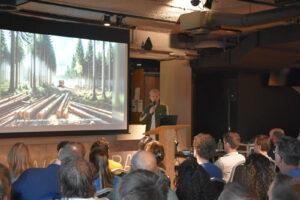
(192, 181)
(99, 159)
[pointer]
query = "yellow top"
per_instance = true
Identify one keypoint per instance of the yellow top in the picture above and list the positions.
(115, 165)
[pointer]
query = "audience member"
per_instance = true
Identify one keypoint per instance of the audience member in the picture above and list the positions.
(232, 157)
(142, 143)
(142, 185)
(204, 150)
(42, 183)
(193, 181)
(61, 145)
(76, 179)
(260, 173)
(103, 176)
(157, 149)
(19, 160)
(287, 155)
(5, 183)
(153, 111)
(78, 148)
(273, 135)
(262, 145)
(145, 160)
(284, 187)
(237, 191)
(104, 144)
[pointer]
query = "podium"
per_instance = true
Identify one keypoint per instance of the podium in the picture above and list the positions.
(167, 137)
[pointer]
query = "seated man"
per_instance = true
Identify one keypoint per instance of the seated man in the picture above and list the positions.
(273, 136)
(42, 183)
(204, 149)
(103, 144)
(287, 156)
(153, 186)
(76, 180)
(5, 181)
(146, 160)
(232, 157)
(284, 187)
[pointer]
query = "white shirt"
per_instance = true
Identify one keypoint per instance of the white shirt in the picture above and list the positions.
(226, 163)
(153, 125)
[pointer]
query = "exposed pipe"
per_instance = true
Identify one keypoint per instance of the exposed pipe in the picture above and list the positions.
(207, 19)
(101, 11)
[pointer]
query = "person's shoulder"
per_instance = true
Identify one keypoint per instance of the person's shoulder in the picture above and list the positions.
(294, 173)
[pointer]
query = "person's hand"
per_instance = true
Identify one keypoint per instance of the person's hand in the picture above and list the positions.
(152, 109)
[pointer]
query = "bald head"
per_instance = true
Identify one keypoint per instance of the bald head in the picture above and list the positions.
(144, 160)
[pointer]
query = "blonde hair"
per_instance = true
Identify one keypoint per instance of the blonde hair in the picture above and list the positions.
(154, 91)
(19, 159)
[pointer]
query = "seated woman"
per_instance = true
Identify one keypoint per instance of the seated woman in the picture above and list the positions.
(19, 160)
(103, 176)
(257, 173)
(260, 174)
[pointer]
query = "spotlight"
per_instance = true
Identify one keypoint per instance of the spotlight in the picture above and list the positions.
(119, 20)
(195, 2)
(106, 20)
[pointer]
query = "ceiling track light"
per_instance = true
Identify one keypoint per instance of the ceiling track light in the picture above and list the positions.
(204, 3)
(207, 3)
(107, 20)
(119, 20)
(195, 2)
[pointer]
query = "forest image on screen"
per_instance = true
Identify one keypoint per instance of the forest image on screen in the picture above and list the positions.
(56, 83)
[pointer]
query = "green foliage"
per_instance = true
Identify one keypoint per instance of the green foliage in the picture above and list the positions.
(45, 90)
(24, 88)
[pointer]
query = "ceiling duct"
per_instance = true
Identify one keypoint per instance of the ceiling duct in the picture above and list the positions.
(210, 19)
(272, 2)
(11, 4)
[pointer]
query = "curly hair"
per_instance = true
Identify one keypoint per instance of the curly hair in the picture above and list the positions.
(192, 181)
(260, 174)
(157, 149)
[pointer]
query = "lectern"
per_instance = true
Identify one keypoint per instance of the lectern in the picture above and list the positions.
(167, 137)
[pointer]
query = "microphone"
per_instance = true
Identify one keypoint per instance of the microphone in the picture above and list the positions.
(154, 102)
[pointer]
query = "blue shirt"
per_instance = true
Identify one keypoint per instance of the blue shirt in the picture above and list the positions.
(115, 183)
(37, 183)
(213, 170)
(294, 173)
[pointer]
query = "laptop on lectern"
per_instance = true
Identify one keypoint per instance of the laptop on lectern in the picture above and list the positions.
(168, 120)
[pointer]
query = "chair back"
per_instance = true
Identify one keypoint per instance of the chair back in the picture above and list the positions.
(103, 192)
(238, 172)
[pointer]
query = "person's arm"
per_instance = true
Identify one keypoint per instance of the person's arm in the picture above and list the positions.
(146, 114)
